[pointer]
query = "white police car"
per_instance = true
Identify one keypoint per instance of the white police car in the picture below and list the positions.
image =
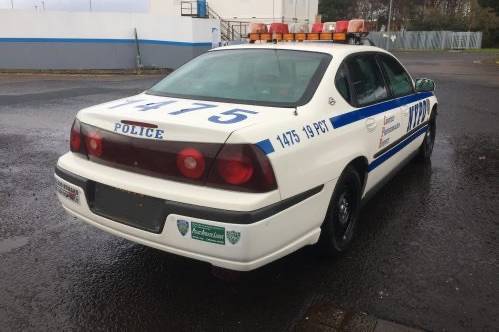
(248, 153)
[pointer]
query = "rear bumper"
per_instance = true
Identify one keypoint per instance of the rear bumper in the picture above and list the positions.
(201, 212)
(244, 240)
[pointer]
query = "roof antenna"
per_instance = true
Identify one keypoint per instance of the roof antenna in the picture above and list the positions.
(296, 111)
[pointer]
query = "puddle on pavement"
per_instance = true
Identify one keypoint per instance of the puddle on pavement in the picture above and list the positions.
(12, 243)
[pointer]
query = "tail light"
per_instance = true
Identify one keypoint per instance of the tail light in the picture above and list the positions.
(240, 167)
(234, 167)
(93, 143)
(191, 163)
(75, 137)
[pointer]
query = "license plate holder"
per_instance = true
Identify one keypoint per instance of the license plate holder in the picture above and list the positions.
(132, 209)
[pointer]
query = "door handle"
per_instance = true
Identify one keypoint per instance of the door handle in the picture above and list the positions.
(371, 124)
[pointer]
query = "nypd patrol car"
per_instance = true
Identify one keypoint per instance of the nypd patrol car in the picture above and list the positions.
(248, 153)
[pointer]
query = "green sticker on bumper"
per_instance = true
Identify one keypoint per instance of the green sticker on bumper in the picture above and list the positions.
(206, 233)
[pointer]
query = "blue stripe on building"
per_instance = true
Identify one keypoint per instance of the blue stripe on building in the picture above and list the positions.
(366, 112)
(102, 41)
(390, 153)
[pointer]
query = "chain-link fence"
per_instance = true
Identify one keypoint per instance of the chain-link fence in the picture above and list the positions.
(427, 40)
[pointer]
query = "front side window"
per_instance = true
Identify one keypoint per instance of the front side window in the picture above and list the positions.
(400, 82)
(266, 77)
(367, 80)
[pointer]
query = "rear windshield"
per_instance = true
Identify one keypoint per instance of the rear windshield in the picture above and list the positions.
(283, 78)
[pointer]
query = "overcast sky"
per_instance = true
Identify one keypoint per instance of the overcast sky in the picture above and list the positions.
(79, 5)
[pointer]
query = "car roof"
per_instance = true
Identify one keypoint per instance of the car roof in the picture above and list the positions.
(334, 49)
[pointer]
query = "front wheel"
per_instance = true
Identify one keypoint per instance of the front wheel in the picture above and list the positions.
(426, 148)
(339, 226)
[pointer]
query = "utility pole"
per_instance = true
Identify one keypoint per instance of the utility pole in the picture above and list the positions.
(308, 12)
(273, 11)
(43, 5)
(12, 3)
(295, 18)
(90, 4)
(388, 25)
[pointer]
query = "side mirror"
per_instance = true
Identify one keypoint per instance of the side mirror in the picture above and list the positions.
(425, 85)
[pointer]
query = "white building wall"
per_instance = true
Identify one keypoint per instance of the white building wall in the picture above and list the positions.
(244, 10)
(116, 26)
(266, 10)
(83, 40)
(164, 7)
(302, 10)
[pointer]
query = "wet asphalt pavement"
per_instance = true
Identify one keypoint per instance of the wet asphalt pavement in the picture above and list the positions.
(426, 254)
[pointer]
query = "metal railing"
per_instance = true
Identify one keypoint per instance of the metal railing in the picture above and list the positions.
(229, 30)
(225, 30)
(190, 8)
(237, 30)
(427, 40)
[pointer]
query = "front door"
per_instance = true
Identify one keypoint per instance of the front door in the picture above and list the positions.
(381, 114)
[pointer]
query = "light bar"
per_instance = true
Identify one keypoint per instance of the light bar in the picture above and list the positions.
(340, 36)
(266, 36)
(312, 36)
(326, 36)
(277, 36)
(299, 37)
(343, 31)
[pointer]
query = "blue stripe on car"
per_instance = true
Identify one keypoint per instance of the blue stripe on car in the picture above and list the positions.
(365, 112)
(390, 153)
(266, 146)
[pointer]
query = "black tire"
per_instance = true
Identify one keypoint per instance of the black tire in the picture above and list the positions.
(339, 226)
(426, 149)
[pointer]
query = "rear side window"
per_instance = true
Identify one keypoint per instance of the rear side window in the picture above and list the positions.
(367, 80)
(399, 81)
(341, 82)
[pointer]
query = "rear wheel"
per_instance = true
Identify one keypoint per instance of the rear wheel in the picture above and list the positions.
(339, 226)
(426, 148)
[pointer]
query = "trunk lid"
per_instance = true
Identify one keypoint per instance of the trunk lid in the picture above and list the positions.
(177, 119)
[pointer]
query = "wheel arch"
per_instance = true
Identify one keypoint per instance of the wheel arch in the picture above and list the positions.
(327, 244)
(361, 165)
(434, 111)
